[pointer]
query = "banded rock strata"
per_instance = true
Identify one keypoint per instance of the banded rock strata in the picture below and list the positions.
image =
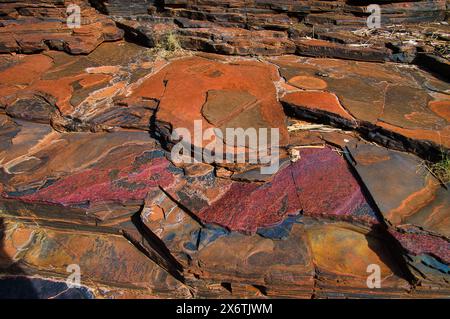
(35, 26)
(86, 175)
(87, 179)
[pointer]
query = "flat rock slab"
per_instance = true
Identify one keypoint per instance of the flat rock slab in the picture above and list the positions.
(284, 267)
(40, 165)
(402, 187)
(319, 184)
(104, 259)
(343, 254)
(219, 94)
(413, 203)
(140, 173)
(78, 93)
(404, 101)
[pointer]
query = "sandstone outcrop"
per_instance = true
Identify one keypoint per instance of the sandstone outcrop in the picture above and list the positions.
(336, 29)
(30, 27)
(390, 105)
(88, 178)
(410, 32)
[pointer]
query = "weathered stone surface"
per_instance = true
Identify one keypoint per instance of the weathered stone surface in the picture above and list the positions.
(86, 175)
(335, 29)
(284, 268)
(119, 167)
(319, 101)
(246, 207)
(374, 99)
(29, 28)
(331, 246)
(405, 192)
(308, 249)
(79, 93)
(326, 49)
(208, 86)
(414, 204)
(233, 27)
(427, 257)
(105, 260)
(236, 41)
(279, 15)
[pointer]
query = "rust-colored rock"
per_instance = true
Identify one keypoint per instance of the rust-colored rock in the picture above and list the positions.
(31, 28)
(87, 178)
(372, 98)
(404, 190)
(318, 101)
(413, 202)
(209, 86)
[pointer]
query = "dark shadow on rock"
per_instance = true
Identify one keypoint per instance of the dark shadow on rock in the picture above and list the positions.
(16, 283)
(382, 243)
(390, 251)
(433, 64)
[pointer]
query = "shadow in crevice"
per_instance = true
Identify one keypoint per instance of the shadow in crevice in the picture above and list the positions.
(160, 254)
(382, 243)
(13, 281)
(379, 239)
(439, 70)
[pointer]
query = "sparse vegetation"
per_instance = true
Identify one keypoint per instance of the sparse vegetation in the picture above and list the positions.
(167, 46)
(441, 169)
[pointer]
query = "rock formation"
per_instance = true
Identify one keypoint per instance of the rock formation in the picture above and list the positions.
(35, 26)
(336, 29)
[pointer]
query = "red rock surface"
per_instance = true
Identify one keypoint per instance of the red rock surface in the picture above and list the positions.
(126, 180)
(419, 244)
(318, 184)
(194, 79)
(404, 191)
(336, 264)
(336, 29)
(30, 28)
(87, 177)
(319, 101)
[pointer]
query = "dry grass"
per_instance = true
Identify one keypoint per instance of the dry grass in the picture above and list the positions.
(168, 46)
(441, 169)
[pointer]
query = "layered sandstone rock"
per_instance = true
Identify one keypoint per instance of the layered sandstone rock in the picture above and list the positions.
(29, 27)
(335, 29)
(275, 28)
(390, 105)
(87, 177)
